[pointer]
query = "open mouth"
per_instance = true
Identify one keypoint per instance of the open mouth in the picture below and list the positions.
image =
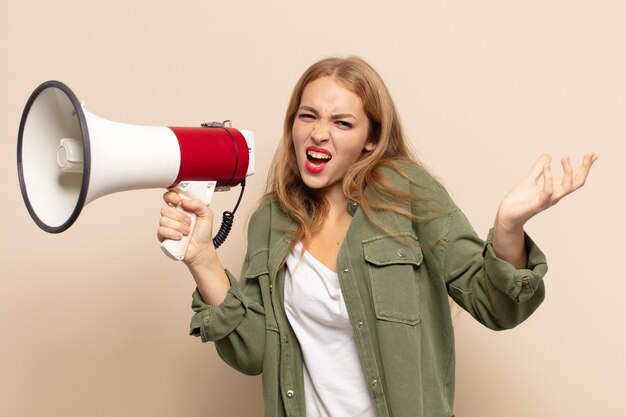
(317, 158)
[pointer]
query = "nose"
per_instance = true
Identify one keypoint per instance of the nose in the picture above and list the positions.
(321, 131)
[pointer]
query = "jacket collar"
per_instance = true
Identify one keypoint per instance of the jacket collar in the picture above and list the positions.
(281, 235)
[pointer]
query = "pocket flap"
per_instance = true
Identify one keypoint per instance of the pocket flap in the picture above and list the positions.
(394, 249)
(258, 264)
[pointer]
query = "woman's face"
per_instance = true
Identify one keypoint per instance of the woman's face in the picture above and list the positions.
(329, 132)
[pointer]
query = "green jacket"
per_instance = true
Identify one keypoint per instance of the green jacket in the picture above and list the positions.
(395, 284)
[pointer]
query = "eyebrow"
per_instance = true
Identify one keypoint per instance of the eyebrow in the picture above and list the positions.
(334, 116)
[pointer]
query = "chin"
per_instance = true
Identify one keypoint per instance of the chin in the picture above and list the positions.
(311, 183)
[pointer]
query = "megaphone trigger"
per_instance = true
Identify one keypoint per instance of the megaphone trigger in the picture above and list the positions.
(201, 190)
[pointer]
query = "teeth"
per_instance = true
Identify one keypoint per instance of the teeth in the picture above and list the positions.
(317, 155)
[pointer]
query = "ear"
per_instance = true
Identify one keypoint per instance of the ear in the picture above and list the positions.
(369, 146)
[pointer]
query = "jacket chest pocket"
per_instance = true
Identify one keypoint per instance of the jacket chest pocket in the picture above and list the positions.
(257, 275)
(393, 272)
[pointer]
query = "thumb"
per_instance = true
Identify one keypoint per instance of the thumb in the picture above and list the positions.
(197, 207)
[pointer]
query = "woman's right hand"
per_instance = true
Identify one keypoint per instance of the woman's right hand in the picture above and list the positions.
(174, 224)
(201, 257)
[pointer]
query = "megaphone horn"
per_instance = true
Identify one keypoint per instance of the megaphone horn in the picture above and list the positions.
(68, 157)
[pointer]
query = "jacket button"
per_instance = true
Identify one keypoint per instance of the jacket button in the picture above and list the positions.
(345, 270)
(286, 338)
(360, 324)
(401, 252)
(290, 393)
(374, 382)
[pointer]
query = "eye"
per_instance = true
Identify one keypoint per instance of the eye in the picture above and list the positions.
(306, 116)
(343, 124)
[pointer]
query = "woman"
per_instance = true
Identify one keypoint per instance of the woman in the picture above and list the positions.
(343, 299)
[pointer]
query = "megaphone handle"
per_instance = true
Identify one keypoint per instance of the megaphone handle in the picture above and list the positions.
(201, 190)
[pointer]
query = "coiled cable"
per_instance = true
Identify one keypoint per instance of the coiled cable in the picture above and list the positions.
(227, 221)
(228, 216)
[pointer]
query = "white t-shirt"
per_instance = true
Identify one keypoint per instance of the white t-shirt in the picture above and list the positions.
(334, 383)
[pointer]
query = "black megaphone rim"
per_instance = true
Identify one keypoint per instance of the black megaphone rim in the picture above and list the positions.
(86, 155)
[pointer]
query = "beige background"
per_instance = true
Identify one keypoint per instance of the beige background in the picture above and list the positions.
(94, 321)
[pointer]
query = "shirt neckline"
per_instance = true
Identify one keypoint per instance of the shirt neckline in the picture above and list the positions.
(300, 248)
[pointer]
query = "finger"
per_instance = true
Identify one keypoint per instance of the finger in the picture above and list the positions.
(165, 233)
(593, 157)
(580, 176)
(198, 207)
(537, 169)
(174, 225)
(568, 179)
(172, 198)
(548, 182)
(175, 214)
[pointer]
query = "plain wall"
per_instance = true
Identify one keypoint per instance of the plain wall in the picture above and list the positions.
(94, 321)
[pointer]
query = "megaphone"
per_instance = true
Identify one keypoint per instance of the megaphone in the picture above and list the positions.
(67, 157)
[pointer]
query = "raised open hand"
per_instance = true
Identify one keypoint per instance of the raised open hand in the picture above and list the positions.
(539, 190)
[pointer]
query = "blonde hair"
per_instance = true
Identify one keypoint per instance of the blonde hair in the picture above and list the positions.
(307, 206)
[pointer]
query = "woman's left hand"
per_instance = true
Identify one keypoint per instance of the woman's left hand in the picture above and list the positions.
(539, 190)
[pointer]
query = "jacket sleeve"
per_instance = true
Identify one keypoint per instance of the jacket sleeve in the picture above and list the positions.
(237, 326)
(493, 291)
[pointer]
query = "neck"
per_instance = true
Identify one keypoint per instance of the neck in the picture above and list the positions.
(336, 199)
